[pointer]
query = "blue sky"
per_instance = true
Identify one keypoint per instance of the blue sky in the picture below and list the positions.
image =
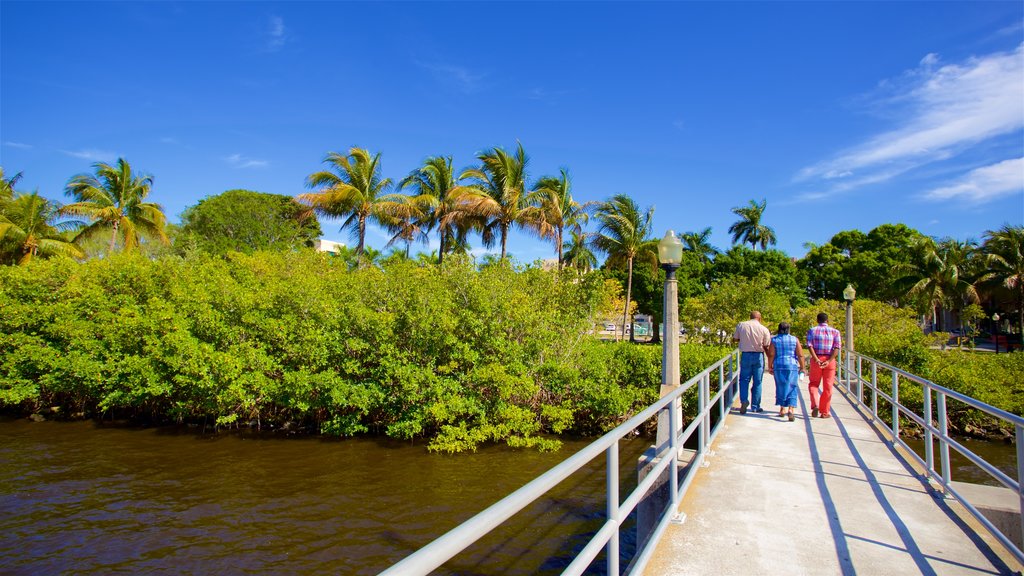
(840, 114)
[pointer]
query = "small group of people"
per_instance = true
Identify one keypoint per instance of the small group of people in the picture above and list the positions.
(785, 361)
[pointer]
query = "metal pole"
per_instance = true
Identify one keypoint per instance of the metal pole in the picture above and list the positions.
(702, 428)
(706, 409)
(612, 475)
(849, 340)
(1020, 472)
(929, 458)
(943, 444)
(860, 381)
(874, 390)
(669, 352)
(895, 407)
(673, 469)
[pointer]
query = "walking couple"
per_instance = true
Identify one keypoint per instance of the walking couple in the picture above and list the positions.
(786, 363)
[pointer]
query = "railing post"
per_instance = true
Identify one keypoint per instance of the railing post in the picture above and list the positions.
(929, 458)
(895, 407)
(702, 427)
(943, 444)
(706, 411)
(874, 390)
(673, 453)
(1020, 473)
(860, 382)
(721, 397)
(612, 476)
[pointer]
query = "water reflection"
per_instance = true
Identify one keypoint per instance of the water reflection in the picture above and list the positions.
(88, 499)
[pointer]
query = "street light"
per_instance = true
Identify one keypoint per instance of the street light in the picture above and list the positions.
(995, 330)
(670, 254)
(849, 294)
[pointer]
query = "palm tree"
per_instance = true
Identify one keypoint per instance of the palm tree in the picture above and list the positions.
(624, 235)
(352, 187)
(699, 243)
(7, 186)
(578, 254)
(30, 227)
(749, 227)
(501, 197)
(939, 275)
(1004, 254)
(439, 195)
(115, 199)
(558, 210)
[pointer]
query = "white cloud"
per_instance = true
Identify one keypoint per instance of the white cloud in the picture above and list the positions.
(18, 145)
(946, 109)
(168, 140)
(92, 154)
(457, 77)
(277, 34)
(986, 183)
(239, 161)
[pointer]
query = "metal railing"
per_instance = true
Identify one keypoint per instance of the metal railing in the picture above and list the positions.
(447, 546)
(852, 366)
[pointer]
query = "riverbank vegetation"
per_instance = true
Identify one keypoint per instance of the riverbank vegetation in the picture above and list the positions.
(226, 337)
(449, 354)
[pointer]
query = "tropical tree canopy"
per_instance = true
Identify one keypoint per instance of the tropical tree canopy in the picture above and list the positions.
(749, 228)
(113, 200)
(1004, 254)
(624, 234)
(438, 195)
(352, 188)
(559, 211)
(938, 275)
(30, 226)
(246, 221)
(699, 243)
(501, 197)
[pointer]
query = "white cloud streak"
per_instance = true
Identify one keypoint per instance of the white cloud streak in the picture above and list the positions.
(239, 161)
(458, 78)
(277, 35)
(92, 154)
(948, 108)
(987, 183)
(18, 145)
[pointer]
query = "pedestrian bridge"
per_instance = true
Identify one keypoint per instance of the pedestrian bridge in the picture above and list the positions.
(756, 494)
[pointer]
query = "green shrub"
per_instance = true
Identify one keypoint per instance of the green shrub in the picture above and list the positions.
(297, 339)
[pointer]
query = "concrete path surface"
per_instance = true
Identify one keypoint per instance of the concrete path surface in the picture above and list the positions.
(816, 496)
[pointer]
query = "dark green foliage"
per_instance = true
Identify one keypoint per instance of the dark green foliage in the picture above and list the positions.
(783, 275)
(450, 354)
(873, 262)
(246, 221)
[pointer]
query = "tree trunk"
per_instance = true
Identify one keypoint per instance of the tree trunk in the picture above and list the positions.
(504, 239)
(362, 236)
(559, 240)
(629, 294)
(113, 237)
(440, 249)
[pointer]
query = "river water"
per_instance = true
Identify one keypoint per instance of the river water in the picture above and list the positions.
(86, 498)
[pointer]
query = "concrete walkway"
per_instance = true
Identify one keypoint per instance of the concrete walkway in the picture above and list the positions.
(816, 496)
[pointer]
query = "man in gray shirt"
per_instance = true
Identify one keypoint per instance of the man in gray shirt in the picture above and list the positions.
(753, 338)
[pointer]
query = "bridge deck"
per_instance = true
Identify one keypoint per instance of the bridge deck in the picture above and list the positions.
(816, 496)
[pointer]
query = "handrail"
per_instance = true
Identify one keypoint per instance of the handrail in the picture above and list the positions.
(435, 554)
(852, 377)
